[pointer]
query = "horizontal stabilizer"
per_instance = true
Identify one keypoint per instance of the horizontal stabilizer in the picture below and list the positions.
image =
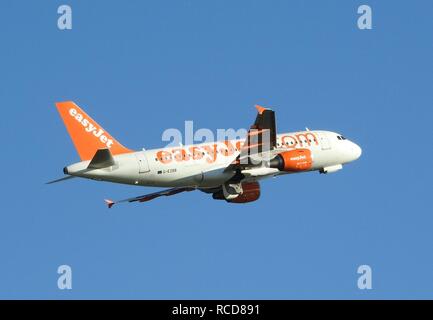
(101, 159)
(109, 203)
(60, 180)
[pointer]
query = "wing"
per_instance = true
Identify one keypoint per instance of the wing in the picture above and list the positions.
(151, 196)
(261, 140)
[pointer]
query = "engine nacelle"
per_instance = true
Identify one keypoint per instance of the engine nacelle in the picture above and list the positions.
(293, 160)
(251, 192)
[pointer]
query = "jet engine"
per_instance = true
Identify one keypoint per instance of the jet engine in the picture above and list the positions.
(293, 160)
(242, 193)
(251, 192)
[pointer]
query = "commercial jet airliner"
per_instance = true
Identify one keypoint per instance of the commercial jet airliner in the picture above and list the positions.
(229, 170)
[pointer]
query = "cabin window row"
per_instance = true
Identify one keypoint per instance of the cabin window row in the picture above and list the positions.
(292, 142)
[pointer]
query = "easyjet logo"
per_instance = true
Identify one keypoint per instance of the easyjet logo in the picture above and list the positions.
(211, 152)
(207, 152)
(90, 128)
(301, 157)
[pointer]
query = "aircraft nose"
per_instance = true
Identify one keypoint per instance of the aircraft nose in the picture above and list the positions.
(356, 151)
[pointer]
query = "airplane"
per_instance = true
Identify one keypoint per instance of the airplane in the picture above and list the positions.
(229, 170)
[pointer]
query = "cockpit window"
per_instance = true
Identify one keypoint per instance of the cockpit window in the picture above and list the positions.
(341, 138)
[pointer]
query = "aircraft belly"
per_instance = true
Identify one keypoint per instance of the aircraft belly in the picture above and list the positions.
(323, 158)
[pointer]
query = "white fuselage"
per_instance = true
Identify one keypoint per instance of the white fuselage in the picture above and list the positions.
(204, 165)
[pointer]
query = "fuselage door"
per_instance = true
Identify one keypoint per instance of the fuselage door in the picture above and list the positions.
(324, 142)
(143, 165)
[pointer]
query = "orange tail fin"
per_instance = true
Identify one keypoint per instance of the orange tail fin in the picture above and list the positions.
(86, 134)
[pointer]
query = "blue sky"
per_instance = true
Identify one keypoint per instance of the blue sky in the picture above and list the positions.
(139, 67)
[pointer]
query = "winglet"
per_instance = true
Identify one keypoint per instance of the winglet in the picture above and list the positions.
(109, 203)
(260, 109)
